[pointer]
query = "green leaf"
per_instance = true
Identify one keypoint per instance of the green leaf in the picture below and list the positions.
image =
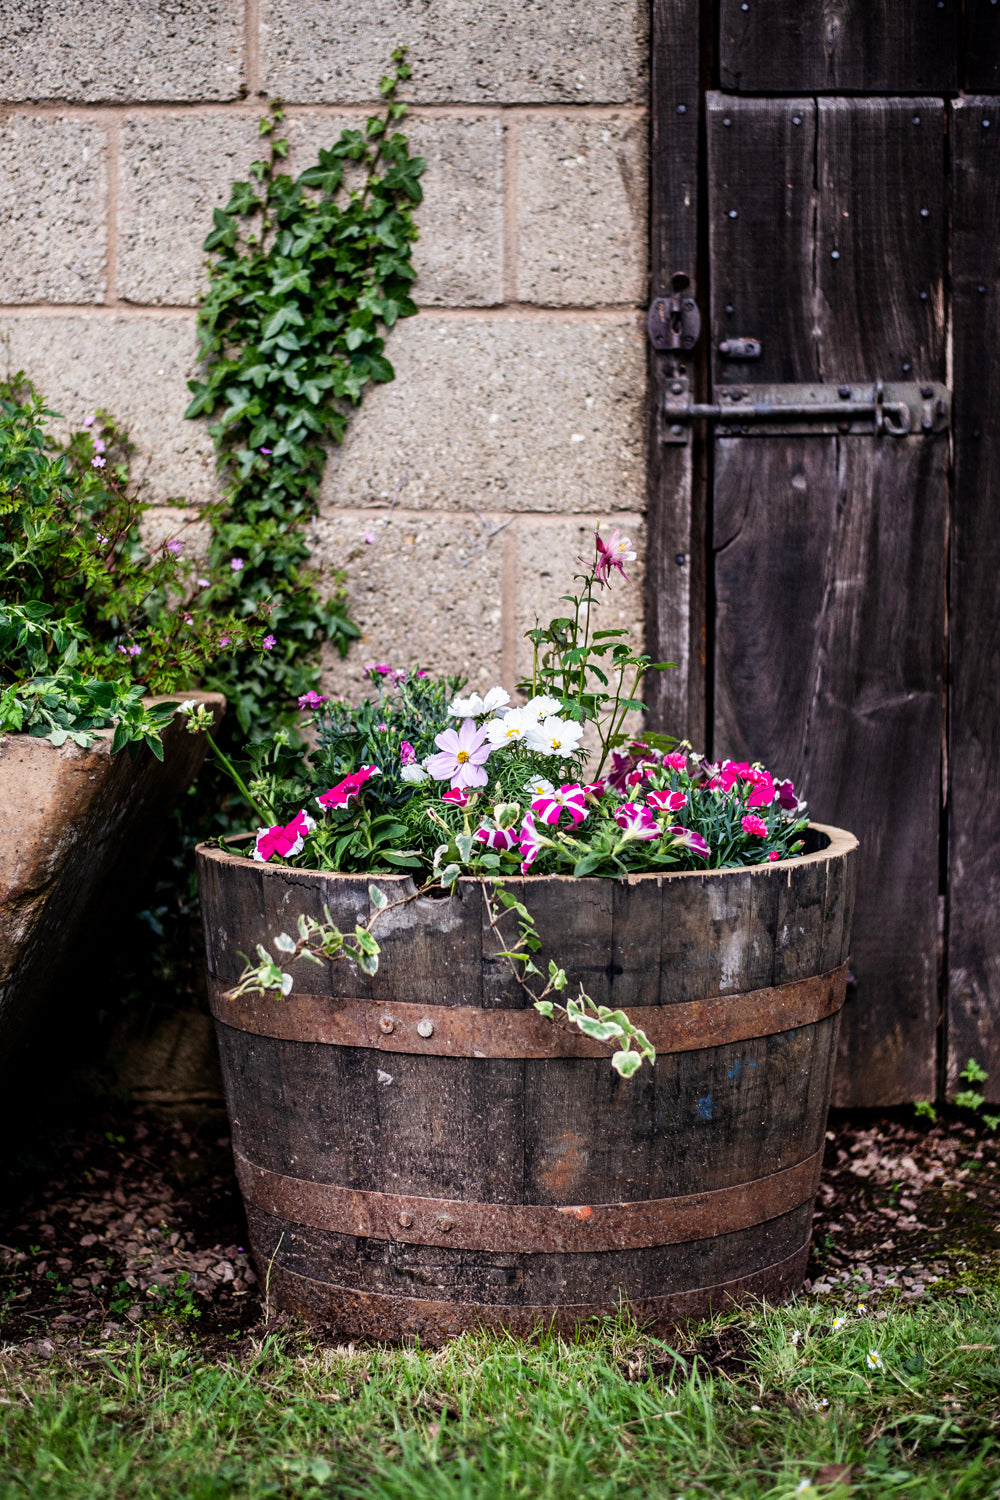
(626, 1063)
(377, 898)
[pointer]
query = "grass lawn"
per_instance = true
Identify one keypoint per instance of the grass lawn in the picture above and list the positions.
(803, 1400)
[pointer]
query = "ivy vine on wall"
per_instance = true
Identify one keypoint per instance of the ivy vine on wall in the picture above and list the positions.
(307, 276)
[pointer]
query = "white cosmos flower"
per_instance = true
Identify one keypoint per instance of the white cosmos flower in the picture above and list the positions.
(538, 787)
(473, 706)
(413, 772)
(540, 708)
(466, 708)
(554, 736)
(507, 731)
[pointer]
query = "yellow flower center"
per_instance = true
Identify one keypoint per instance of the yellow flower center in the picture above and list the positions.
(462, 757)
(512, 734)
(557, 744)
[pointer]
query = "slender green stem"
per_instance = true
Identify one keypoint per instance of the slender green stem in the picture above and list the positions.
(232, 771)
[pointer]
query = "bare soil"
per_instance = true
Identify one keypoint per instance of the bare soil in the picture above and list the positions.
(138, 1218)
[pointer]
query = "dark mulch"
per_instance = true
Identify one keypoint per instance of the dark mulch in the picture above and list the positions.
(138, 1218)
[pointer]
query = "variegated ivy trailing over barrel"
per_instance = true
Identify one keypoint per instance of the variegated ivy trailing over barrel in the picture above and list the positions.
(307, 276)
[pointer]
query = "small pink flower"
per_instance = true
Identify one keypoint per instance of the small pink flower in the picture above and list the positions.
(381, 728)
(376, 669)
(455, 796)
(773, 854)
(236, 563)
(667, 801)
(99, 537)
(676, 760)
(202, 583)
(753, 825)
(531, 841)
(341, 794)
(97, 463)
(570, 798)
(407, 754)
(225, 640)
(268, 643)
(462, 755)
(284, 841)
(612, 554)
(267, 450)
(89, 421)
(637, 821)
(688, 838)
(174, 545)
(311, 700)
(368, 537)
(497, 838)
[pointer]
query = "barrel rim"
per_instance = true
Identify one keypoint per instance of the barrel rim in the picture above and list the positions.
(840, 844)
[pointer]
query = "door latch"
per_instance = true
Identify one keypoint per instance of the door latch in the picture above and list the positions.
(674, 322)
(895, 410)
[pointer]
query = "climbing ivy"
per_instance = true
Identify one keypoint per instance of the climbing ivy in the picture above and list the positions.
(307, 276)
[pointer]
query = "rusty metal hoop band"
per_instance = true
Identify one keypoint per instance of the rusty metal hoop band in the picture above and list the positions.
(529, 1228)
(469, 1031)
(361, 1314)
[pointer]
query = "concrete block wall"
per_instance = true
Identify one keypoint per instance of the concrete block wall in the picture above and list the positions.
(517, 416)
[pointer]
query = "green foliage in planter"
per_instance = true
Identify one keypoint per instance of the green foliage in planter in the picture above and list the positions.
(307, 275)
(90, 620)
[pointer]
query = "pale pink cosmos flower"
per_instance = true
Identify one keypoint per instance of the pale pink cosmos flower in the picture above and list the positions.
(462, 755)
(754, 826)
(570, 798)
(637, 821)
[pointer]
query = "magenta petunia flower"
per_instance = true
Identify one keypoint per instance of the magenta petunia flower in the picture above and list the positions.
(497, 838)
(667, 801)
(785, 793)
(341, 794)
(462, 755)
(570, 798)
(284, 841)
(688, 838)
(455, 796)
(531, 841)
(753, 825)
(637, 821)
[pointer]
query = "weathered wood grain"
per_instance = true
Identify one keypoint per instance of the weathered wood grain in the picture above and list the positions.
(675, 541)
(829, 577)
(981, 48)
(542, 1130)
(973, 968)
(839, 46)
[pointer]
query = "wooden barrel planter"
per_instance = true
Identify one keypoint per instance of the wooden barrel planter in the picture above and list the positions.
(420, 1152)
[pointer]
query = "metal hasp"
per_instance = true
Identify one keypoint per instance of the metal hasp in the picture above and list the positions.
(896, 410)
(674, 322)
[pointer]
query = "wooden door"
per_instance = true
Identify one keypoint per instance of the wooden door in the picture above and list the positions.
(824, 189)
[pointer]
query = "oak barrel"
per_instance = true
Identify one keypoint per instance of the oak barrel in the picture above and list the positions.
(420, 1152)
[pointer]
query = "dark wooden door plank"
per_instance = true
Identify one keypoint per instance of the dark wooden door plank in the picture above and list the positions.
(675, 542)
(982, 46)
(830, 550)
(974, 750)
(840, 46)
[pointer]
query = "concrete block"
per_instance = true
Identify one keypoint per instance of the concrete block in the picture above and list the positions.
(465, 51)
(501, 413)
(582, 211)
(125, 52)
(425, 592)
(53, 197)
(136, 368)
(172, 173)
(549, 550)
(459, 255)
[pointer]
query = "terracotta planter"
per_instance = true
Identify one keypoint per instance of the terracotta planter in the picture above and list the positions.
(72, 823)
(420, 1153)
